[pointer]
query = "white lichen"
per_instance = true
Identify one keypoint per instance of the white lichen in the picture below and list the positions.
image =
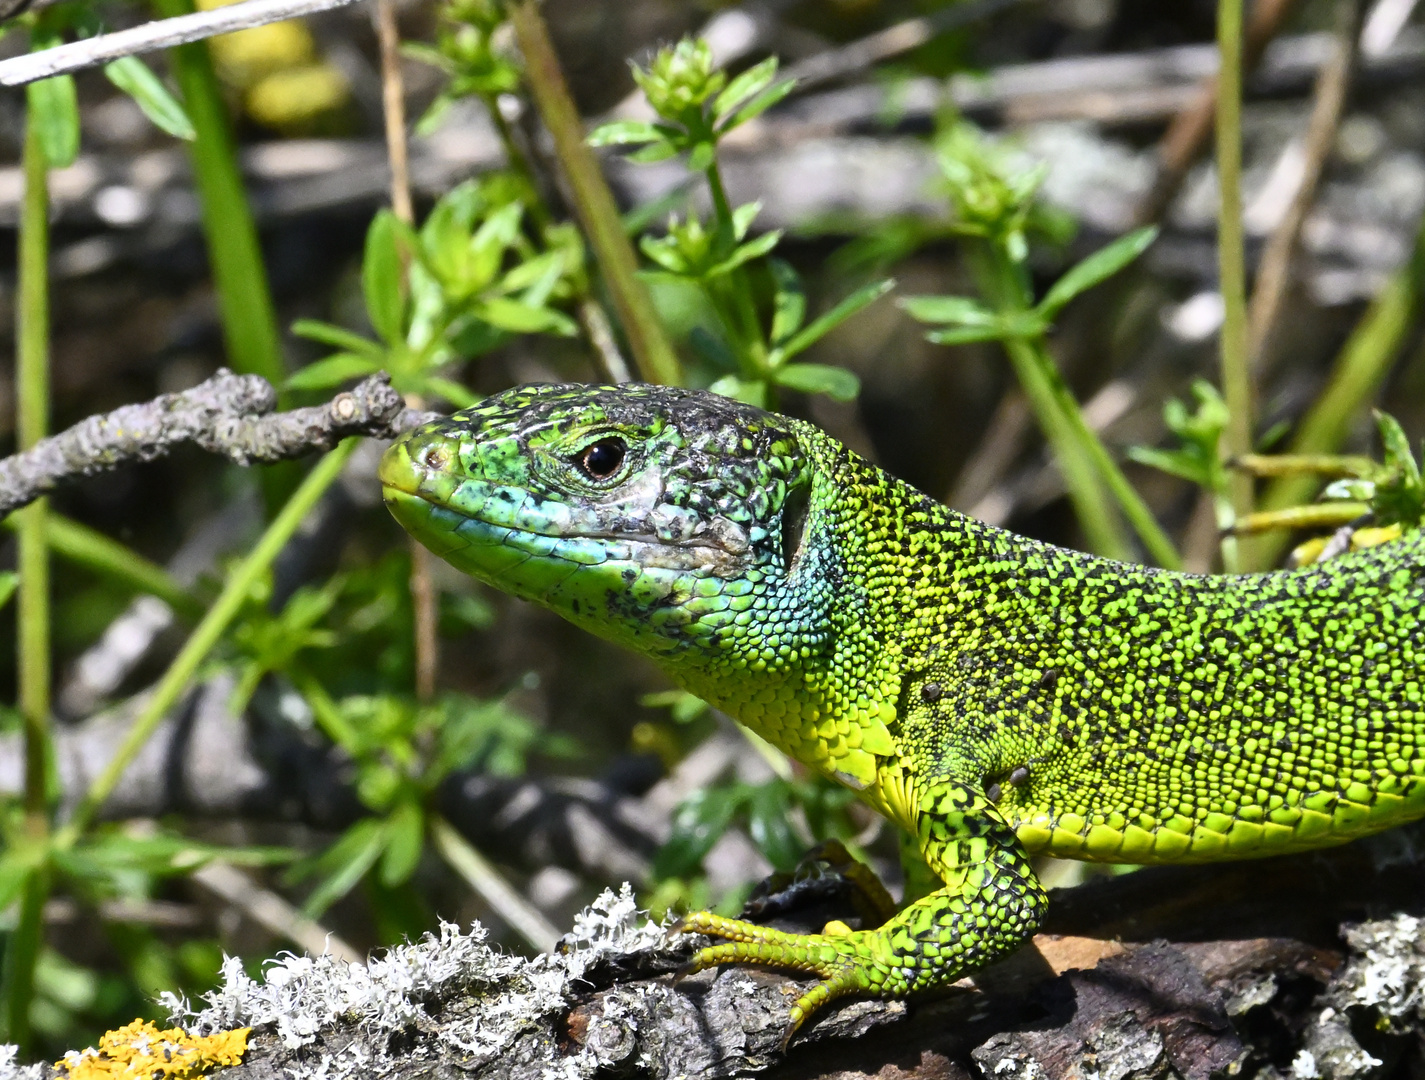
(11, 1070)
(488, 999)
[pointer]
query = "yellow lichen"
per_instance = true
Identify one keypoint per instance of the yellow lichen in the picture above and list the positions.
(141, 1051)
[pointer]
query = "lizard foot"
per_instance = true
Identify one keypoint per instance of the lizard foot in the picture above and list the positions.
(844, 959)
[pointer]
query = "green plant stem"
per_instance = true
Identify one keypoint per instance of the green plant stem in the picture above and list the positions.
(22, 951)
(1231, 258)
(593, 202)
(1003, 285)
(1362, 366)
(738, 289)
(110, 559)
(32, 395)
(209, 631)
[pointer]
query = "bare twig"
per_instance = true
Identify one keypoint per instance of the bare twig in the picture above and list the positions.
(1186, 138)
(227, 414)
(160, 34)
(856, 57)
(1274, 269)
(393, 106)
(271, 911)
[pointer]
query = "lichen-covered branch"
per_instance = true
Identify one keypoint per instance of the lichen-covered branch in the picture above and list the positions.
(1137, 991)
(228, 414)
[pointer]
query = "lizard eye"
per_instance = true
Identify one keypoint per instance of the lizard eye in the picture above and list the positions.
(602, 459)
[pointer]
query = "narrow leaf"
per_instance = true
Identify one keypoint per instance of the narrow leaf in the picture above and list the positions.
(758, 105)
(520, 318)
(405, 831)
(381, 279)
(8, 582)
(337, 337)
(745, 253)
(834, 382)
(54, 108)
(967, 335)
(345, 863)
(958, 310)
(862, 297)
(135, 78)
(449, 389)
(752, 81)
(789, 304)
(624, 132)
(1101, 265)
(333, 371)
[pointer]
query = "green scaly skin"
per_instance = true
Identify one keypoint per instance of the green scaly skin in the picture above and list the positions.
(994, 696)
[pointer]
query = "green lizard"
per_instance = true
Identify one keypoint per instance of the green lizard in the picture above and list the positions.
(993, 696)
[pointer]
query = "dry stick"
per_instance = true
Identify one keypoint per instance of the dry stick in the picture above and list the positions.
(151, 36)
(857, 56)
(424, 612)
(227, 414)
(273, 912)
(1187, 136)
(593, 202)
(1274, 268)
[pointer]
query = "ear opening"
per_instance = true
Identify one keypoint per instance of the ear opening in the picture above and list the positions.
(794, 523)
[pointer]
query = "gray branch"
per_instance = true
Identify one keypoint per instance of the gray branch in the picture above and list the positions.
(228, 414)
(160, 34)
(1131, 987)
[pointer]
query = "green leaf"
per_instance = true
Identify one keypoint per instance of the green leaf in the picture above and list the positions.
(333, 371)
(958, 310)
(968, 335)
(449, 389)
(8, 582)
(54, 109)
(790, 303)
(752, 81)
(701, 157)
(745, 253)
(743, 217)
(381, 274)
(405, 836)
(624, 132)
(1101, 265)
(712, 347)
(653, 153)
(749, 391)
(769, 825)
(862, 297)
(1396, 446)
(337, 337)
(1180, 463)
(345, 863)
(758, 105)
(135, 78)
(520, 318)
(698, 824)
(834, 382)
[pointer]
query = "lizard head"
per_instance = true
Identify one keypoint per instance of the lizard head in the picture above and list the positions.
(652, 516)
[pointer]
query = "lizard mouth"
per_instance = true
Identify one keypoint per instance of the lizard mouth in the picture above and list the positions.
(420, 494)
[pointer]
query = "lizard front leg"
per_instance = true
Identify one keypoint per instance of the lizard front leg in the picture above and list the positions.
(991, 903)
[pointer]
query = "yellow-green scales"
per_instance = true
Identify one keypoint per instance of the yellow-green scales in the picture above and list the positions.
(994, 696)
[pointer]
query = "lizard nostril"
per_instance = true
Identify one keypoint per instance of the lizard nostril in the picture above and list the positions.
(435, 458)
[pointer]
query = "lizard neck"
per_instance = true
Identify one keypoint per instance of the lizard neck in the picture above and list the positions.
(816, 667)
